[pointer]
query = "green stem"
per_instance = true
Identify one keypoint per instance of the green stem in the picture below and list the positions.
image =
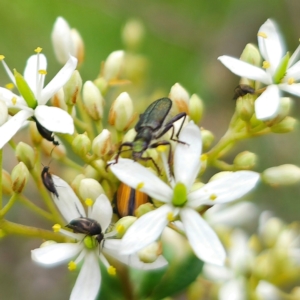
(18, 229)
(70, 163)
(9, 205)
(1, 158)
(222, 165)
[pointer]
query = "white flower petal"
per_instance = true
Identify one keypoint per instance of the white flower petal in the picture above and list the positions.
(202, 238)
(88, 281)
(145, 230)
(67, 203)
(7, 96)
(134, 175)
(225, 189)
(217, 273)
(102, 212)
(54, 119)
(267, 291)
(56, 253)
(294, 57)
(34, 64)
(272, 47)
(12, 126)
(187, 157)
(59, 80)
(244, 69)
(293, 89)
(293, 72)
(268, 103)
(235, 289)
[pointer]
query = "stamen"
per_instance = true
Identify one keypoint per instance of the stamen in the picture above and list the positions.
(203, 157)
(120, 229)
(139, 186)
(2, 57)
(56, 228)
(38, 50)
(262, 34)
(89, 202)
(42, 72)
(170, 216)
(14, 100)
(111, 270)
(10, 86)
(213, 197)
(161, 148)
(266, 65)
(72, 266)
(291, 80)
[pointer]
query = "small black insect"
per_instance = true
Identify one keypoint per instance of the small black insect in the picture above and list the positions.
(242, 90)
(152, 125)
(45, 133)
(48, 181)
(87, 226)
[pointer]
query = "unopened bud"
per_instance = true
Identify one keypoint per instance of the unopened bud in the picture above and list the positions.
(123, 224)
(285, 126)
(81, 145)
(196, 108)
(143, 209)
(34, 134)
(90, 189)
(150, 253)
(121, 112)
(19, 176)
(93, 100)
(283, 111)
(102, 144)
(245, 107)
(271, 231)
(113, 65)
(3, 113)
(281, 175)
(101, 84)
(180, 97)
(57, 152)
(25, 153)
(76, 183)
(6, 183)
(133, 34)
(78, 44)
(251, 55)
(245, 160)
(58, 99)
(207, 138)
(72, 88)
(220, 175)
(91, 172)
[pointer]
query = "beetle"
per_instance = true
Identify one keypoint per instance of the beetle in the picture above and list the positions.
(152, 125)
(48, 181)
(242, 90)
(45, 133)
(127, 200)
(87, 226)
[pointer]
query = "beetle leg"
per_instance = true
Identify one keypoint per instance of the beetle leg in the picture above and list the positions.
(126, 144)
(154, 163)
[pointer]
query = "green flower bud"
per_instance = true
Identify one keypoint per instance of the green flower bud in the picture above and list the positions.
(76, 183)
(284, 110)
(58, 152)
(72, 88)
(245, 160)
(286, 125)
(79, 45)
(81, 145)
(34, 134)
(58, 100)
(133, 33)
(150, 253)
(25, 90)
(25, 153)
(196, 108)
(271, 231)
(19, 176)
(245, 107)
(180, 98)
(93, 100)
(91, 172)
(101, 84)
(123, 224)
(100, 166)
(113, 65)
(121, 112)
(90, 189)
(143, 209)
(207, 138)
(102, 144)
(6, 183)
(251, 55)
(3, 113)
(281, 175)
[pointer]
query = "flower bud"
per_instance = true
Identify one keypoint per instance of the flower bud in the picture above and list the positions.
(196, 108)
(285, 126)
(102, 144)
(245, 160)
(123, 224)
(6, 183)
(180, 97)
(220, 175)
(78, 44)
(72, 88)
(34, 134)
(58, 100)
(25, 153)
(270, 232)
(90, 189)
(93, 100)
(143, 209)
(133, 33)
(62, 40)
(57, 152)
(3, 113)
(251, 55)
(283, 111)
(19, 176)
(207, 138)
(245, 107)
(101, 84)
(121, 112)
(113, 65)
(81, 145)
(90, 172)
(76, 183)
(150, 253)
(281, 175)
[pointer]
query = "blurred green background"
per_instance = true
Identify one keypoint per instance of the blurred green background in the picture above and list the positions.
(183, 40)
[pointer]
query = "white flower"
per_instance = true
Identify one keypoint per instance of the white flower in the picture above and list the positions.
(88, 282)
(281, 72)
(52, 118)
(180, 200)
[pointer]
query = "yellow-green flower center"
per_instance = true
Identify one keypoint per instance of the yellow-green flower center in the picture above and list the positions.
(90, 242)
(179, 195)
